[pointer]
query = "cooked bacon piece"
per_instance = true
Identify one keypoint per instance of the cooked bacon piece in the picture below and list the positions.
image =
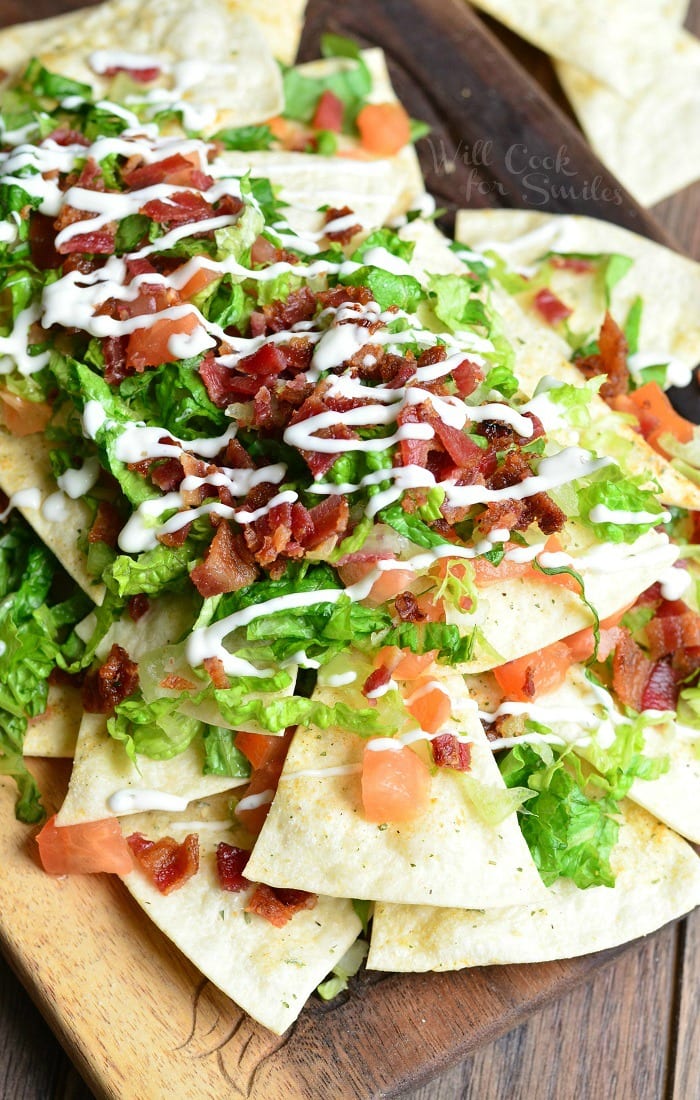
(334, 298)
(167, 475)
(279, 906)
(173, 682)
(318, 462)
(661, 689)
(100, 241)
(342, 236)
(42, 237)
(436, 354)
(449, 752)
(230, 865)
(631, 671)
(329, 115)
(227, 566)
(542, 510)
(376, 680)
(329, 518)
(116, 679)
(407, 608)
(271, 537)
(505, 514)
(236, 457)
(266, 362)
(214, 668)
(467, 377)
(166, 863)
(63, 136)
(181, 208)
(514, 469)
(138, 606)
(224, 386)
(106, 525)
(141, 76)
(175, 538)
(550, 307)
(299, 306)
(670, 633)
(611, 360)
(114, 353)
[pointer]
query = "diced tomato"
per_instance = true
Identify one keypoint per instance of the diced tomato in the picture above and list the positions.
(657, 416)
(536, 674)
(268, 360)
(149, 347)
(22, 417)
(389, 583)
(329, 112)
(258, 747)
(86, 849)
(550, 307)
(431, 608)
(265, 777)
(395, 784)
(201, 278)
(582, 643)
(402, 664)
(384, 128)
(485, 573)
(429, 704)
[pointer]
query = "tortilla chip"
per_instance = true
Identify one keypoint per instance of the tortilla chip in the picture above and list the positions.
(281, 22)
(239, 84)
(24, 464)
(268, 971)
(651, 141)
(617, 41)
(54, 733)
(658, 880)
(316, 838)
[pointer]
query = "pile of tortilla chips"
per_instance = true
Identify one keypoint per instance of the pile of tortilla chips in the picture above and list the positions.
(559, 834)
(631, 73)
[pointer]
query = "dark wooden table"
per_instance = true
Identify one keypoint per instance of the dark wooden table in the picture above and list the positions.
(631, 1032)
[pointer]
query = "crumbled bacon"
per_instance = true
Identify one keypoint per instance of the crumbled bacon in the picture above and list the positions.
(514, 469)
(114, 353)
(610, 360)
(214, 668)
(230, 865)
(300, 305)
(328, 519)
(266, 362)
(181, 208)
(227, 565)
(100, 241)
(631, 671)
(42, 237)
(334, 298)
(166, 863)
(342, 236)
(467, 376)
(173, 682)
(167, 475)
(407, 608)
(116, 679)
(542, 510)
(141, 76)
(550, 307)
(572, 263)
(450, 752)
(63, 136)
(505, 514)
(376, 680)
(668, 633)
(106, 525)
(279, 906)
(138, 606)
(661, 689)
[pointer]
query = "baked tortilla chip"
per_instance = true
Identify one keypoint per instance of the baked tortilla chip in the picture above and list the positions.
(316, 838)
(651, 141)
(658, 880)
(238, 84)
(617, 41)
(54, 733)
(270, 972)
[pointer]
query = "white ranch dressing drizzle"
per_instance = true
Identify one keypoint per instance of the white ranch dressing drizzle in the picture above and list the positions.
(129, 800)
(678, 373)
(55, 508)
(14, 349)
(255, 801)
(23, 498)
(674, 582)
(100, 61)
(600, 513)
(75, 483)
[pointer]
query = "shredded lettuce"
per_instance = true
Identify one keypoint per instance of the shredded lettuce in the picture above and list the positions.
(351, 84)
(347, 968)
(453, 301)
(612, 489)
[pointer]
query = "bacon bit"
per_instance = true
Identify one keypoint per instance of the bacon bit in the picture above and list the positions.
(342, 236)
(100, 241)
(407, 608)
(572, 263)
(227, 566)
(279, 316)
(116, 679)
(222, 385)
(668, 633)
(166, 863)
(631, 671)
(514, 469)
(60, 676)
(182, 208)
(318, 462)
(176, 170)
(265, 252)
(167, 475)
(175, 538)
(106, 525)
(266, 362)
(376, 680)
(214, 668)
(505, 514)
(329, 113)
(230, 865)
(541, 509)
(297, 354)
(279, 906)
(141, 76)
(329, 519)
(114, 353)
(661, 690)
(467, 376)
(332, 299)
(449, 752)
(63, 136)
(550, 307)
(173, 682)
(611, 360)
(138, 606)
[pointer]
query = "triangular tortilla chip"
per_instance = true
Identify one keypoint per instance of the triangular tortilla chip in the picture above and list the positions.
(237, 83)
(651, 141)
(54, 733)
(316, 838)
(270, 972)
(658, 880)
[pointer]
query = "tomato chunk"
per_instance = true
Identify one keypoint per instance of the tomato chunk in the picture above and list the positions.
(22, 417)
(537, 673)
(384, 128)
(329, 112)
(265, 777)
(657, 416)
(149, 347)
(85, 849)
(395, 784)
(429, 704)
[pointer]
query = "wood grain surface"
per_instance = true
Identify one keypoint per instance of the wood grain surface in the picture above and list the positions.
(630, 1030)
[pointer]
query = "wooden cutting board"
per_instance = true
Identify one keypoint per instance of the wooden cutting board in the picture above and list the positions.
(135, 1016)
